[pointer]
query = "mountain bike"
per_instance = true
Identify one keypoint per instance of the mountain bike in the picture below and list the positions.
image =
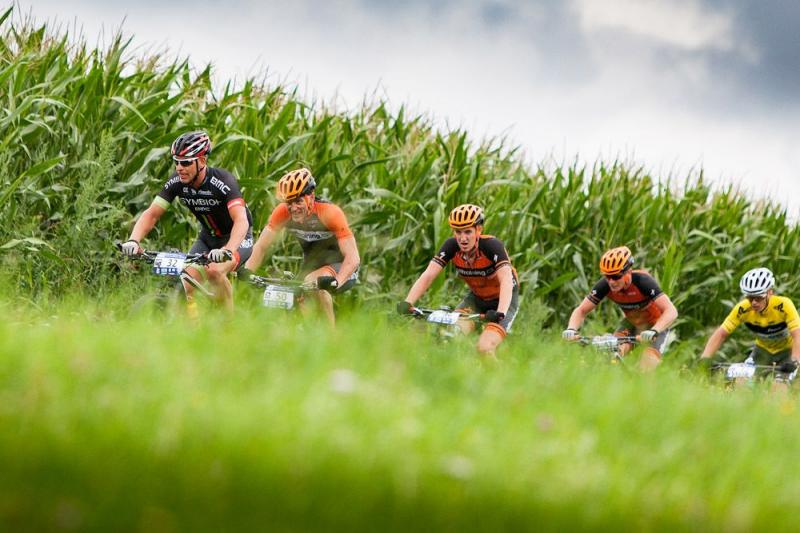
(608, 343)
(748, 371)
(281, 292)
(171, 266)
(444, 321)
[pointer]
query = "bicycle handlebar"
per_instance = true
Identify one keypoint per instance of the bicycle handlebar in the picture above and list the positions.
(421, 312)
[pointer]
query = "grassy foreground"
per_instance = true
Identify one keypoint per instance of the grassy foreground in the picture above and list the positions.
(111, 422)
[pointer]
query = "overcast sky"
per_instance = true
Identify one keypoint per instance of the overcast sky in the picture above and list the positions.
(673, 85)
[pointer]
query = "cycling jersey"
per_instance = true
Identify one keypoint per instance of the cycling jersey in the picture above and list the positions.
(480, 271)
(210, 203)
(636, 301)
(771, 327)
(318, 234)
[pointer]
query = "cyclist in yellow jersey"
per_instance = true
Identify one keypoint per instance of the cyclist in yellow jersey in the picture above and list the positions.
(773, 320)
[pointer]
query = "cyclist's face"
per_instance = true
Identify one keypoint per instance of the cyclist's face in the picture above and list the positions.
(618, 283)
(187, 173)
(299, 208)
(467, 238)
(759, 303)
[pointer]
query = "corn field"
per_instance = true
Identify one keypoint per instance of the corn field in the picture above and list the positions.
(84, 138)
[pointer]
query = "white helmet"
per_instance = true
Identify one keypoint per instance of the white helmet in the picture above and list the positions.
(757, 281)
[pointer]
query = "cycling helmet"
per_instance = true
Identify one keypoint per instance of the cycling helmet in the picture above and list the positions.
(466, 216)
(191, 145)
(616, 261)
(757, 281)
(295, 184)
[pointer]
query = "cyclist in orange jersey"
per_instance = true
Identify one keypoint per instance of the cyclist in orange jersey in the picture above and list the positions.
(483, 263)
(330, 253)
(648, 311)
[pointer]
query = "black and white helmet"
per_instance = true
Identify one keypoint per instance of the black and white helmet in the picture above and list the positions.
(757, 281)
(191, 145)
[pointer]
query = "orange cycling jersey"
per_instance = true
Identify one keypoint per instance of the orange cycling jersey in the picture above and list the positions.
(636, 301)
(318, 234)
(479, 271)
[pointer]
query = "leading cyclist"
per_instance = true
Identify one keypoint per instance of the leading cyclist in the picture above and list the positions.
(213, 197)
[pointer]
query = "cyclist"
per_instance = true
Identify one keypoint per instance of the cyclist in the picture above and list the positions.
(648, 311)
(482, 262)
(773, 320)
(213, 197)
(330, 253)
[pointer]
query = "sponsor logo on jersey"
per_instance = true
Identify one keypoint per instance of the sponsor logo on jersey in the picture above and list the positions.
(200, 202)
(311, 236)
(204, 192)
(247, 243)
(473, 272)
(170, 182)
(219, 184)
(740, 311)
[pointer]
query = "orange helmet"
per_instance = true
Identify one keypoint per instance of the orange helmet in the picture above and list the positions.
(466, 216)
(616, 261)
(295, 184)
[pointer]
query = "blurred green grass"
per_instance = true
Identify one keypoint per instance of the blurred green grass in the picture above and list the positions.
(261, 422)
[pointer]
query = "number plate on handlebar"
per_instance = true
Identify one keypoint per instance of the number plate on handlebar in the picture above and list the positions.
(605, 342)
(169, 264)
(278, 297)
(740, 370)
(444, 317)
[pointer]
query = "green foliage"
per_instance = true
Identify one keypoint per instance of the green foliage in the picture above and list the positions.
(114, 422)
(85, 133)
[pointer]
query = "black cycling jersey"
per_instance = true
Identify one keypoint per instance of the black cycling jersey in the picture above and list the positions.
(210, 202)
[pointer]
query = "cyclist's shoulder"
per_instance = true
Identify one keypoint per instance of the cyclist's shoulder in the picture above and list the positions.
(172, 181)
(781, 303)
(490, 242)
(221, 173)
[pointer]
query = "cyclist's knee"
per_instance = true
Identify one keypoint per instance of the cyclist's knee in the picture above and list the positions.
(491, 338)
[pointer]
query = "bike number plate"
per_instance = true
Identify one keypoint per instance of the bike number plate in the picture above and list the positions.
(605, 342)
(444, 317)
(740, 370)
(169, 264)
(278, 297)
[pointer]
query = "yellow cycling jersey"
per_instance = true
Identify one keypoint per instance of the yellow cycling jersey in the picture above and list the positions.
(771, 326)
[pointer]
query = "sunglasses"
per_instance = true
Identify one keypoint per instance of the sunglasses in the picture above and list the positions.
(757, 298)
(616, 277)
(184, 162)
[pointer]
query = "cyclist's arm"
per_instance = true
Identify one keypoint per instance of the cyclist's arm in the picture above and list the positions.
(146, 222)
(714, 343)
(506, 279)
(423, 283)
(260, 248)
(349, 250)
(579, 314)
(240, 226)
(668, 313)
(795, 344)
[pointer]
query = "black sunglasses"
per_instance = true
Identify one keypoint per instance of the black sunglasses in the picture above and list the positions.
(616, 277)
(185, 162)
